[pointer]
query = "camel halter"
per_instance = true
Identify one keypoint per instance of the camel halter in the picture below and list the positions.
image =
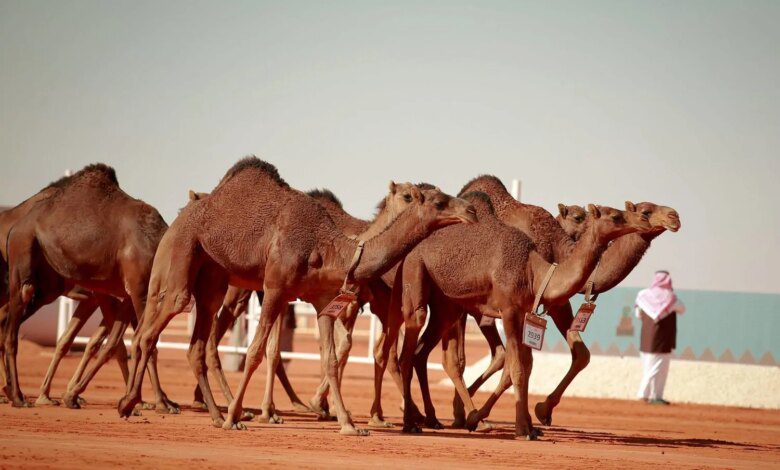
(541, 290)
(349, 280)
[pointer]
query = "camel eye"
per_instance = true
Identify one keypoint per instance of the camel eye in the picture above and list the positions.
(440, 205)
(408, 197)
(578, 219)
(646, 213)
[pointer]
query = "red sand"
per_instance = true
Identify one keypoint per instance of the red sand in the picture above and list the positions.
(587, 433)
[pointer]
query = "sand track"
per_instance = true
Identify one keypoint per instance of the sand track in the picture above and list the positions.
(588, 433)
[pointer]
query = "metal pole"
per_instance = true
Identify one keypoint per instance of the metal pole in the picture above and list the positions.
(516, 189)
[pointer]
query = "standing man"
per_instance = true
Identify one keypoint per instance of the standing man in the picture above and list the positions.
(658, 308)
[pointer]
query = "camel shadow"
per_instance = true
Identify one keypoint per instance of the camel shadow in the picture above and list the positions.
(505, 431)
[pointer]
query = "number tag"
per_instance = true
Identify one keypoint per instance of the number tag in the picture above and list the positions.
(338, 306)
(582, 317)
(533, 331)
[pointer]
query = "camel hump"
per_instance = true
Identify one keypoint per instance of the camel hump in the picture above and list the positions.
(251, 162)
(325, 195)
(96, 171)
(480, 183)
(480, 201)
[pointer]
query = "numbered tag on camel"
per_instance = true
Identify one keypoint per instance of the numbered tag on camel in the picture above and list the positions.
(339, 305)
(582, 317)
(533, 331)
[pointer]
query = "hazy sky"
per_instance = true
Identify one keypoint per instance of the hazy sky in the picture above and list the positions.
(672, 102)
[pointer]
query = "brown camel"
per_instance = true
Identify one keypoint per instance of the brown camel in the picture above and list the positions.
(236, 303)
(106, 248)
(572, 220)
(493, 269)
(553, 244)
(256, 232)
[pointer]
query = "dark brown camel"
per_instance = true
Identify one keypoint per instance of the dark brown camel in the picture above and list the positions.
(493, 269)
(90, 233)
(256, 232)
(553, 244)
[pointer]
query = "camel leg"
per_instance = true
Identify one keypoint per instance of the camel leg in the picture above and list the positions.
(454, 364)
(427, 343)
(580, 357)
(4, 379)
(274, 304)
(220, 325)
(343, 340)
(207, 300)
(383, 353)
(297, 403)
(519, 364)
(153, 323)
(90, 351)
(119, 317)
(273, 354)
(331, 365)
(497, 353)
(84, 310)
(26, 296)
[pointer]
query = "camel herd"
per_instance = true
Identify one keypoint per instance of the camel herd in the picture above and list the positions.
(425, 256)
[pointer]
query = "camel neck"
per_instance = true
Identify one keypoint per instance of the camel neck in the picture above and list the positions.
(380, 223)
(622, 256)
(383, 251)
(573, 272)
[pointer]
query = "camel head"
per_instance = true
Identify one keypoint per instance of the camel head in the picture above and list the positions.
(441, 209)
(660, 217)
(572, 220)
(610, 223)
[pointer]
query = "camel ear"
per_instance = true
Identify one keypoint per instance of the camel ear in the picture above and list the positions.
(594, 211)
(563, 210)
(630, 206)
(416, 193)
(392, 186)
(193, 195)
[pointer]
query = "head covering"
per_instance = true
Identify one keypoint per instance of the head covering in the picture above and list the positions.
(657, 301)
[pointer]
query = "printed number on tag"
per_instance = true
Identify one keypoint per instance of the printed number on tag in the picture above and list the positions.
(338, 305)
(583, 316)
(533, 331)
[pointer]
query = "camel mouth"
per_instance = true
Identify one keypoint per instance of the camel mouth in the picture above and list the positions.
(672, 226)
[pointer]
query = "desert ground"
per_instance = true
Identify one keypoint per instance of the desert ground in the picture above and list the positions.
(587, 433)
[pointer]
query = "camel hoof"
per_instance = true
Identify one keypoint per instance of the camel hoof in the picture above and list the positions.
(270, 418)
(81, 401)
(472, 422)
(377, 422)
(353, 431)
(145, 405)
(230, 426)
(199, 405)
(459, 423)
(413, 429)
(247, 416)
(433, 423)
(543, 414)
(301, 407)
(137, 412)
(218, 423)
(484, 426)
(167, 407)
(125, 406)
(44, 400)
(3, 400)
(21, 404)
(70, 401)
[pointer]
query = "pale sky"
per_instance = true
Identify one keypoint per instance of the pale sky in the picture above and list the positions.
(672, 102)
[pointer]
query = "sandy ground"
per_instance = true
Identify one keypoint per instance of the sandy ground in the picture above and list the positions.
(588, 433)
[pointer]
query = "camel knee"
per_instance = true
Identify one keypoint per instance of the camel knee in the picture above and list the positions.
(581, 357)
(27, 293)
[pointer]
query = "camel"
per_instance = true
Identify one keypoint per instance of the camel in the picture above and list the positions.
(107, 249)
(255, 232)
(236, 302)
(493, 269)
(553, 243)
